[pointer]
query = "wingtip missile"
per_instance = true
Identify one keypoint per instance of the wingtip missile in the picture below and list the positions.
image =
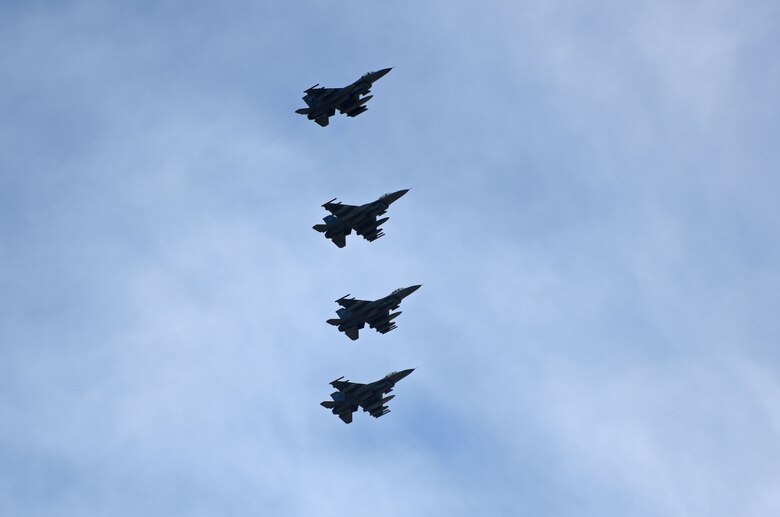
(336, 380)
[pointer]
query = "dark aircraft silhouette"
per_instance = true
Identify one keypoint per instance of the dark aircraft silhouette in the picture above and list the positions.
(362, 219)
(351, 395)
(323, 102)
(354, 314)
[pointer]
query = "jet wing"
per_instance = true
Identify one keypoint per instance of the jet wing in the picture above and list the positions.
(338, 209)
(315, 95)
(369, 229)
(350, 302)
(383, 323)
(349, 104)
(375, 406)
(346, 387)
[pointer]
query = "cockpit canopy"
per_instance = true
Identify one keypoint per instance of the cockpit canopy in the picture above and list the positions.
(390, 375)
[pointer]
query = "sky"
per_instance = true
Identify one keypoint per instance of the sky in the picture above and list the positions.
(592, 215)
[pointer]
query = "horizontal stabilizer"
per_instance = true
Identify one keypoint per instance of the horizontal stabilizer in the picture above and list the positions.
(303, 111)
(328, 404)
(352, 333)
(323, 121)
(322, 228)
(339, 239)
(334, 321)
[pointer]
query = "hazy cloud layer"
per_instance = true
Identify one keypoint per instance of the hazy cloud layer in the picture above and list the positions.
(593, 215)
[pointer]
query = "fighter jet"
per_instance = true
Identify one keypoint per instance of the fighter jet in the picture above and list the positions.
(362, 219)
(323, 102)
(369, 396)
(354, 314)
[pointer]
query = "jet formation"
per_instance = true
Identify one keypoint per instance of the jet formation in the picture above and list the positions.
(351, 395)
(362, 219)
(323, 102)
(354, 314)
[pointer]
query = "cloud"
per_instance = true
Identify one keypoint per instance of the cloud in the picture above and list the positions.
(591, 216)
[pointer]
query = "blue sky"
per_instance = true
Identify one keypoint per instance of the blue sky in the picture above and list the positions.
(592, 213)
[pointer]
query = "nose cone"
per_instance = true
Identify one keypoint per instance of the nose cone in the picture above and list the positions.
(394, 196)
(397, 376)
(406, 291)
(375, 76)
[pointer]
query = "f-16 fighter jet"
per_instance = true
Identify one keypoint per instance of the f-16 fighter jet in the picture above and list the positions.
(369, 396)
(323, 102)
(354, 314)
(362, 219)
